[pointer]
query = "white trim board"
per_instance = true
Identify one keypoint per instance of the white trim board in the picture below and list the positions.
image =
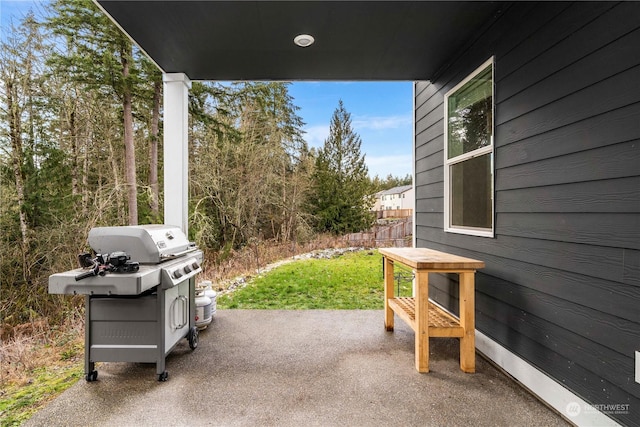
(413, 168)
(558, 397)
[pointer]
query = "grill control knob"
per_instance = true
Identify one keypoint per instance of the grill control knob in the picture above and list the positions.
(177, 274)
(195, 265)
(187, 269)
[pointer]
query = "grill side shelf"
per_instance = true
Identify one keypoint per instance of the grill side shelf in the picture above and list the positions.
(110, 284)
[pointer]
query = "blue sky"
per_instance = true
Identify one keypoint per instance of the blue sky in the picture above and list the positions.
(16, 9)
(381, 112)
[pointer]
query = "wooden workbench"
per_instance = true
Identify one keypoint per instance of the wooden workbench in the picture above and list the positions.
(425, 318)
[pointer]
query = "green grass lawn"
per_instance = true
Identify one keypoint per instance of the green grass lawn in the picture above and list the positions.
(350, 281)
(19, 402)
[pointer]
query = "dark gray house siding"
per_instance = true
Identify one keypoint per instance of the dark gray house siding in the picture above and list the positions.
(562, 284)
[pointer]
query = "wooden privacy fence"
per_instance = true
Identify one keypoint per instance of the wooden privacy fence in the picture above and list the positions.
(397, 235)
(394, 213)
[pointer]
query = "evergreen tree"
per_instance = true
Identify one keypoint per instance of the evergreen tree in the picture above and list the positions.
(24, 137)
(101, 56)
(341, 196)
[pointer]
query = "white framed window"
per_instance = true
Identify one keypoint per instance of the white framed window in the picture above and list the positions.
(468, 154)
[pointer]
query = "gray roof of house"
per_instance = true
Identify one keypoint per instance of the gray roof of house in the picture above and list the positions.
(395, 190)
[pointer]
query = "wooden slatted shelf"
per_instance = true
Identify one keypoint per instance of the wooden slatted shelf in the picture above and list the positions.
(441, 323)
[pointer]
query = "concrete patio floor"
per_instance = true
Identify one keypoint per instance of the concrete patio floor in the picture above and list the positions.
(299, 368)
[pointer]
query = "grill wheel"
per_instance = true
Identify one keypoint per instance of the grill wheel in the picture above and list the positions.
(91, 376)
(192, 336)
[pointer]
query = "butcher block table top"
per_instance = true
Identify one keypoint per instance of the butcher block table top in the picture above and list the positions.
(423, 258)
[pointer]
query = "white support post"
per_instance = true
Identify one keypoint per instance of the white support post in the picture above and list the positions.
(176, 149)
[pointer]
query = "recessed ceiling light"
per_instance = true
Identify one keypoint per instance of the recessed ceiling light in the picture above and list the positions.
(304, 40)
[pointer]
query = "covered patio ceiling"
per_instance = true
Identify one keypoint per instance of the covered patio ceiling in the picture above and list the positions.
(253, 40)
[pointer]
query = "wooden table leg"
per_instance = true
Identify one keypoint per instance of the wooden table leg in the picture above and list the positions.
(388, 293)
(422, 321)
(467, 321)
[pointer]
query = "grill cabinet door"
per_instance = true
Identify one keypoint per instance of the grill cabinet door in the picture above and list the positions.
(176, 311)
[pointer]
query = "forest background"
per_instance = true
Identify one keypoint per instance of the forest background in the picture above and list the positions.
(81, 146)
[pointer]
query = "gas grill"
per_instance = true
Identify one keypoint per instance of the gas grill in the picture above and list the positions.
(139, 294)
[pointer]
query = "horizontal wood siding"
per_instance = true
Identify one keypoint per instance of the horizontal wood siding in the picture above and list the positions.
(561, 287)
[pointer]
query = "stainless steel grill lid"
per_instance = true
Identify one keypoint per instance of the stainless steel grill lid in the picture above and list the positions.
(146, 244)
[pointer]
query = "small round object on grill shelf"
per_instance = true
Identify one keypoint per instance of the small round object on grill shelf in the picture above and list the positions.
(118, 258)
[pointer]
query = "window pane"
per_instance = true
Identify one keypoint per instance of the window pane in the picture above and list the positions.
(470, 111)
(471, 192)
